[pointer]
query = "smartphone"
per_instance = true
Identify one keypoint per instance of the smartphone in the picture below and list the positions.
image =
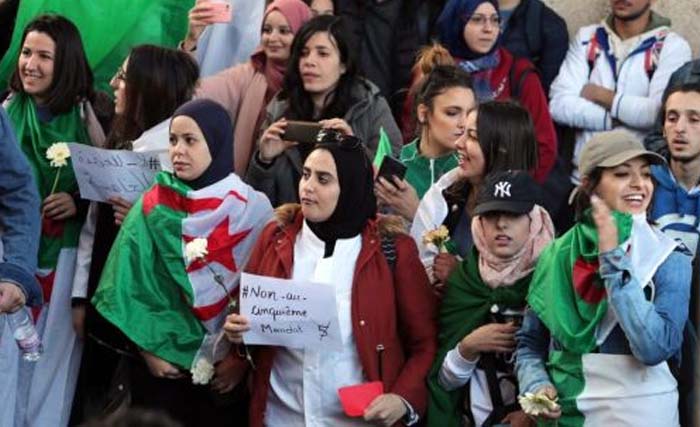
(391, 167)
(302, 132)
(221, 10)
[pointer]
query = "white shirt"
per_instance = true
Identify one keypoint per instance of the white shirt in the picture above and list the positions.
(304, 383)
(456, 371)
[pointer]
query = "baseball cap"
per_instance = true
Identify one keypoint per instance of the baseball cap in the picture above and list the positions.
(507, 191)
(609, 149)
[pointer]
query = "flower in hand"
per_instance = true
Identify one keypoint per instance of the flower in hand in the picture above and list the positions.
(202, 371)
(437, 237)
(196, 249)
(58, 153)
(537, 404)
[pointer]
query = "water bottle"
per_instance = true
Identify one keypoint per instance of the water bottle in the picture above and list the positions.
(25, 334)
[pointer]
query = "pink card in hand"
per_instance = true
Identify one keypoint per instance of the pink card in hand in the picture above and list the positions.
(356, 398)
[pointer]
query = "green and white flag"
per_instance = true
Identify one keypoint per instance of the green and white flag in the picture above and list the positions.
(570, 298)
(166, 304)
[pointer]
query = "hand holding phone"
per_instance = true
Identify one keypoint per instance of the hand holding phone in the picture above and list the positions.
(391, 167)
(302, 132)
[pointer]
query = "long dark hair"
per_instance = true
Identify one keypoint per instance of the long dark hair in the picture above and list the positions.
(158, 80)
(506, 136)
(301, 106)
(72, 78)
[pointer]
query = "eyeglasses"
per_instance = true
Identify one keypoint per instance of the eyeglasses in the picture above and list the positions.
(121, 74)
(481, 20)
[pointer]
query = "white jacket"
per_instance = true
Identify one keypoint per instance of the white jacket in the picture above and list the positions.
(637, 99)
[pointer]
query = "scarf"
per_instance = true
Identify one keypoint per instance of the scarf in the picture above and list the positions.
(465, 307)
(451, 24)
(35, 137)
(481, 70)
(497, 271)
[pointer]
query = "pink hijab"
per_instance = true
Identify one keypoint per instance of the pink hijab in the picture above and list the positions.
(296, 12)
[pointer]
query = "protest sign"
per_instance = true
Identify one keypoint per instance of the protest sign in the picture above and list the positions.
(103, 173)
(289, 313)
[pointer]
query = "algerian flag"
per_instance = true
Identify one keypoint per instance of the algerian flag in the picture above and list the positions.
(569, 297)
(383, 148)
(164, 303)
(108, 29)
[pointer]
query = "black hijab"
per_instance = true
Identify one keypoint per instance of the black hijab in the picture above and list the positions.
(356, 202)
(214, 122)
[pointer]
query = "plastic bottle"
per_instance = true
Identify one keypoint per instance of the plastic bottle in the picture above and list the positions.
(25, 334)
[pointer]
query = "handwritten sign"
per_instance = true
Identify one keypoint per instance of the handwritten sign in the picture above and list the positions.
(289, 313)
(102, 173)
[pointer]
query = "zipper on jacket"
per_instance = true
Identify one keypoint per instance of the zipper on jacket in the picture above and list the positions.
(380, 353)
(432, 171)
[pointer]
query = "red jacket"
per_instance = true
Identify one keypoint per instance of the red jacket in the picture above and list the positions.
(398, 314)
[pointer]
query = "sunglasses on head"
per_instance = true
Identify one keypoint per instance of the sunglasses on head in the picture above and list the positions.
(332, 136)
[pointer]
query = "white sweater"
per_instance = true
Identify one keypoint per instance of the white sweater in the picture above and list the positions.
(637, 99)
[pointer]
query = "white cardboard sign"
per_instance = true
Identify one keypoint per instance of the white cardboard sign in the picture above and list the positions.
(289, 313)
(103, 173)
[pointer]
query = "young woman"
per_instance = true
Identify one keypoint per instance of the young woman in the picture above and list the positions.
(470, 29)
(483, 306)
(50, 102)
(322, 85)
(321, 7)
(386, 314)
(498, 136)
(245, 89)
(443, 102)
(148, 87)
(149, 272)
(608, 300)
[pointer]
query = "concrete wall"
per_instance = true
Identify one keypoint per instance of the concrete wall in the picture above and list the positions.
(685, 15)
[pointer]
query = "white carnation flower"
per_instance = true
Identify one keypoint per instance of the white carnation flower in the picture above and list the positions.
(196, 249)
(202, 372)
(537, 404)
(58, 153)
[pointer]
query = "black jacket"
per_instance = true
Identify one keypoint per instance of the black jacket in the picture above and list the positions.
(537, 33)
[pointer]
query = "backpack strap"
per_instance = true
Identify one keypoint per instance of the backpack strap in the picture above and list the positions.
(653, 54)
(517, 75)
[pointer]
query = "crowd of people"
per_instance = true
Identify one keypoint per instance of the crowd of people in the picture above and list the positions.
(529, 258)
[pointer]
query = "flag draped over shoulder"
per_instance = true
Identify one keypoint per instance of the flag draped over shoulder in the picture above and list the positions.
(465, 307)
(108, 29)
(35, 138)
(569, 297)
(149, 291)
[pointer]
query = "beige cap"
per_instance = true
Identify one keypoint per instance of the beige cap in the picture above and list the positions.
(609, 149)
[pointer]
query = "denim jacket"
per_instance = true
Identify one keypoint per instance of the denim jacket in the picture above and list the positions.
(650, 331)
(19, 216)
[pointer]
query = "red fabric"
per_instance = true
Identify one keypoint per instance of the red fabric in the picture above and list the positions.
(532, 97)
(401, 315)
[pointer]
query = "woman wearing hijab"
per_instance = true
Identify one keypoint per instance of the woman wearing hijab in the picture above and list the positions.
(168, 302)
(245, 89)
(386, 313)
(470, 29)
(483, 306)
